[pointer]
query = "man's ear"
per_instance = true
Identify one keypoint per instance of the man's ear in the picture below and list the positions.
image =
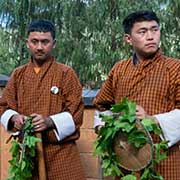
(27, 44)
(54, 43)
(127, 38)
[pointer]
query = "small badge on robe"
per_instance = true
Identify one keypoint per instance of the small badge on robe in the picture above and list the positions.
(54, 89)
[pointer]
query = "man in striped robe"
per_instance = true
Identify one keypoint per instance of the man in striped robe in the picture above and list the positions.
(151, 80)
(51, 93)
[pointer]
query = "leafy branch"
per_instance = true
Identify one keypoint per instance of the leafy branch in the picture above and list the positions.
(21, 164)
(124, 120)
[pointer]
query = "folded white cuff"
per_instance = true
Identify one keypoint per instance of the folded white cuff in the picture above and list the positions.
(64, 125)
(5, 117)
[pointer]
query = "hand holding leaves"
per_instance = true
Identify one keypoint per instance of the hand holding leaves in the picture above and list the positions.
(125, 120)
(21, 164)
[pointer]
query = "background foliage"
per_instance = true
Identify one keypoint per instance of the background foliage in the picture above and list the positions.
(89, 32)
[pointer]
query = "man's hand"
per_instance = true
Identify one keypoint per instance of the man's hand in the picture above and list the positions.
(41, 123)
(141, 113)
(97, 128)
(17, 121)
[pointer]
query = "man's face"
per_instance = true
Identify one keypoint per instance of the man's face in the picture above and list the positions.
(40, 45)
(144, 38)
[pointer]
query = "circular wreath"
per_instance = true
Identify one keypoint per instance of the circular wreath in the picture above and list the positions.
(124, 120)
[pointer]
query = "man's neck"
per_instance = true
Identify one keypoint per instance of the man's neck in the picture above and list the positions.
(142, 57)
(39, 63)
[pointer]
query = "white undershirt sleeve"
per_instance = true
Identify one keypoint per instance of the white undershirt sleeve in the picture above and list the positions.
(98, 120)
(170, 125)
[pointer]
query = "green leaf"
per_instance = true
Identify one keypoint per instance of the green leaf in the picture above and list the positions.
(23, 165)
(129, 118)
(15, 147)
(31, 141)
(129, 177)
(124, 126)
(157, 176)
(107, 118)
(138, 138)
(150, 125)
(109, 133)
(106, 163)
(126, 107)
(145, 175)
(160, 151)
(110, 167)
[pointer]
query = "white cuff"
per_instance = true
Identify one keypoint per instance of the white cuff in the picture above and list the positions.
(170, 125)
(6, 116)
(64, 124)
(97, 120)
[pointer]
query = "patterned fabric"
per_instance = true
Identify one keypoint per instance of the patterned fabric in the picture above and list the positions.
(28, 92)
(155, 85)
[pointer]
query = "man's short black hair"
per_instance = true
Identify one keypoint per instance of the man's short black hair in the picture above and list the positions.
(42, 26)
(138, 16)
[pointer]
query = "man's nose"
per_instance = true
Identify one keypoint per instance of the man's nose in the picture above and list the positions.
(149, 34)
(39, 45)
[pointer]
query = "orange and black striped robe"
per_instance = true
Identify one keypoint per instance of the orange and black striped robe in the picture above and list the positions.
(153, 84)
(28, 92)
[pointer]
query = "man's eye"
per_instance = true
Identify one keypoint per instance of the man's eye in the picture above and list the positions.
(155, 29)
(45, 42)
(141, 32)
(34, 41)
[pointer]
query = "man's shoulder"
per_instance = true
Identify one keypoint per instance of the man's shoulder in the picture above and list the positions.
(62, 67)
(122, 62)
(171, 62)
(21, 68)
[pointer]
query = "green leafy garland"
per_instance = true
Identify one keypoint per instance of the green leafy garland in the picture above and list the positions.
(21, 164)
(124, 121)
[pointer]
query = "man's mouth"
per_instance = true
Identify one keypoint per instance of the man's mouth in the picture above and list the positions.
(39, 53)
(151, 45)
